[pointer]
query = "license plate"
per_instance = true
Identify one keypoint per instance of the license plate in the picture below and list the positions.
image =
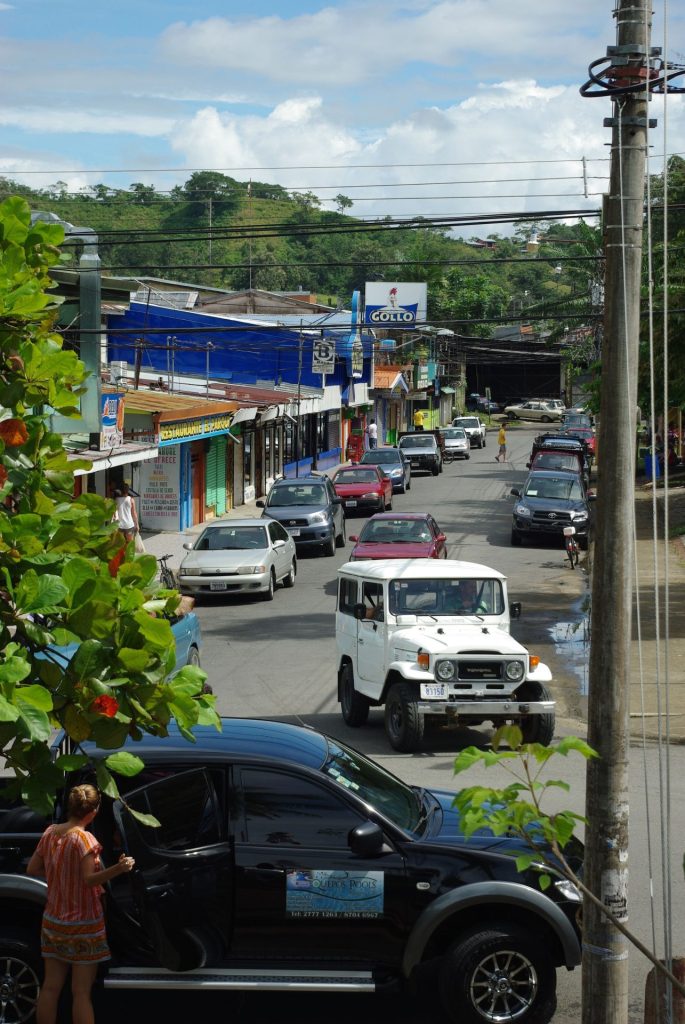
(217, 586)
(433, 690)
(415, 462)
(350, 504)
(293, 533)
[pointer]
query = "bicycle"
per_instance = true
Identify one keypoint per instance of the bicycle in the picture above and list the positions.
(571, 545)
(166, 574)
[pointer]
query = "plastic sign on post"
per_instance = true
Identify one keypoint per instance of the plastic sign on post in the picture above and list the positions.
(395, 304)
(323, 356)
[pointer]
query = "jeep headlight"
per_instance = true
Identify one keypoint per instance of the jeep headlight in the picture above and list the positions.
(319, 517)
(522, 510)
(514, 671)
(445, 670)
(578, 516)
(569, 890)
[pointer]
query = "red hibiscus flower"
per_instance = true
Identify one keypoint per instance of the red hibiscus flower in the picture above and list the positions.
(104, 705)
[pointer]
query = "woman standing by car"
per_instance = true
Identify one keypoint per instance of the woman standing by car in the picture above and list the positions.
(73, 929)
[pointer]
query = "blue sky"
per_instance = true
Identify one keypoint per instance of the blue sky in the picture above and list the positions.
(483, 94)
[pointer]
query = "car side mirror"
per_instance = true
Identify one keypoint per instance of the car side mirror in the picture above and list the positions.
(591, 496)
(359, 611)
(337, 500)
(260, 503)
(528, 465)
(515, 491)
(279, 543)
(188, 546)
(366, 840)
(354, 537)
(515, 610)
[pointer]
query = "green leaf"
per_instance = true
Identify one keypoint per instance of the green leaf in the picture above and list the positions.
(156, 631)
(106, 783)
(40, 594)
(544, 881)
(8, 712)
(72, 762)
(148, 820)
(36, 722)
(134, 660)
(124, 763)
(76, 724)
(35, 695)
(14, 669)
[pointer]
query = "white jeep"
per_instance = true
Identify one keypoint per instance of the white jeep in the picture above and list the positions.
(431, 639)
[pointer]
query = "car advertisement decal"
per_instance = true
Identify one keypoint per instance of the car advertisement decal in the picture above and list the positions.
(348, 894)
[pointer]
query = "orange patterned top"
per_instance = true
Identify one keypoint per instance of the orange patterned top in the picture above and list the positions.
(69, 899)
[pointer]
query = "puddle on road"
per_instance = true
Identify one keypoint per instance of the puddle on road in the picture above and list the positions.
(572, 643)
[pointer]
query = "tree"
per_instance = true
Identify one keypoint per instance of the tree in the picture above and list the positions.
(67, 577)
(343, 203)
(204, 187)
(143, 194)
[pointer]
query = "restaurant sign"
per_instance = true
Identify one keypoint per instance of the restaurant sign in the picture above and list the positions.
(194, 429)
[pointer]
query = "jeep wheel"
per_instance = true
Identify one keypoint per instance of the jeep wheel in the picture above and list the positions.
(536, 728)
(498, 973)
(435, 470)
(516, 539)
(484, 444)
(341, 539)
(354, 706)
(403, 724)
(20, 972)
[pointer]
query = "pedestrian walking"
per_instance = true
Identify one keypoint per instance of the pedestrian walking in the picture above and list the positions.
(126, 514)
(73, 928)
(502, 442)
(372, 434)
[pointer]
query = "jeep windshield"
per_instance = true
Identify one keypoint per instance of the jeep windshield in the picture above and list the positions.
(436, 598)
(563, 488)
(467, 422)
(297, 494)
(401, 804)
(380, 456)
(418, 441)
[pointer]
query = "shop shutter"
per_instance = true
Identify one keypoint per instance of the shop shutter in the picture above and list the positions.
(211, 476)
(221, 446)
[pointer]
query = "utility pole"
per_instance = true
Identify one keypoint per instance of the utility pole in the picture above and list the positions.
(299, 401)
(605, 951)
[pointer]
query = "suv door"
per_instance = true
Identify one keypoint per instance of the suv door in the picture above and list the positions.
(371, 636)
(281, 551)
(301, 893)
(183, 878)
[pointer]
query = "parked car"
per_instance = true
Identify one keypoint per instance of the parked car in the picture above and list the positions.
(585, 434)
(576, 419)
(289, 860)
(474, 428)
(394, 464)
(563, 444)
(554, 403)
(457, 444)
(549, 501)
(533, 410)
(423, 449)
(487, 405)
(363, 489)
(409, 535)
(309, 509)
(239, 556)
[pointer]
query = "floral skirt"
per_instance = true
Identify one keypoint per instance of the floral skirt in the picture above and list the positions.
(75, 942)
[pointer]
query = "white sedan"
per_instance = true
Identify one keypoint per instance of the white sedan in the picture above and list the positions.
(239, 556)
(533, 410)
(457, 444)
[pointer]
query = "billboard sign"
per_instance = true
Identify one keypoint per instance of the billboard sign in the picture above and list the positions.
(111, 420)
(323, 356)
(395, 304)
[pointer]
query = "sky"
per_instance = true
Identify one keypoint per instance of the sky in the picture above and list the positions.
(416, 108)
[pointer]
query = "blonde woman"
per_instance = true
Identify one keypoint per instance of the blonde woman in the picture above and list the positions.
(73, 929)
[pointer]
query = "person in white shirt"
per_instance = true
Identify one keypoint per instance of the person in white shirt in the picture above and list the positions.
(372, 434)
(126, 515)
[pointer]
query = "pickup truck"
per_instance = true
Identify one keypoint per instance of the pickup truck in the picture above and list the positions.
(424, 449)
(287, 861)
(430, 641)
(475, 429)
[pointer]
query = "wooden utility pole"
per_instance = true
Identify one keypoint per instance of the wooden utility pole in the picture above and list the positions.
(605, 951)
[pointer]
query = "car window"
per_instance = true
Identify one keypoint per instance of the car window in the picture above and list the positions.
(374, 785)
(418, 441)
(446, 597)
(347, 595)
(236, 538)
(372, 597)
(186, 807)
(357, 476)
(283, 809)
(380, 456)
(395, 531)
(298, 494)
(557, 488)
(453, 433)
(466, 421)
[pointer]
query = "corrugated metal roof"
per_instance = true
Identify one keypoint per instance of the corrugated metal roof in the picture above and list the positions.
(172, 407)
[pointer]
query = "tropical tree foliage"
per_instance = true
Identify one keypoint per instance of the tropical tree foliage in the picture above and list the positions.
(85, 640)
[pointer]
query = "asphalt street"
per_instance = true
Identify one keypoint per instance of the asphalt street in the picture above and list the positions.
(277, 659)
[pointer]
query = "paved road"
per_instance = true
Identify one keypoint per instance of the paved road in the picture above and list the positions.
(278, 660)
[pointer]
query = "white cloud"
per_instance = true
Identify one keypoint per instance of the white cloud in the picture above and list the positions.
(67, 122)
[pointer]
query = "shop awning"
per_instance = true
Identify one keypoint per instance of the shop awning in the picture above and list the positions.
(245, 415)
(122, 456)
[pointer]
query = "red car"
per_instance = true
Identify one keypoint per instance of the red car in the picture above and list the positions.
(363, 489)
(408, 535)
(586, 434)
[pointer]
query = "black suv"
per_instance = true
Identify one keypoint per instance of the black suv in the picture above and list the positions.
(287, 859)
(309, 509)
(550, 500)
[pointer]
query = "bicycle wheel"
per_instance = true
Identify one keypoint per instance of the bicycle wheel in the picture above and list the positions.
(167, 578)
(572, 552)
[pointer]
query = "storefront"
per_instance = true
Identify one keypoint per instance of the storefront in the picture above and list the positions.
(390, 407)
(190, 480)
